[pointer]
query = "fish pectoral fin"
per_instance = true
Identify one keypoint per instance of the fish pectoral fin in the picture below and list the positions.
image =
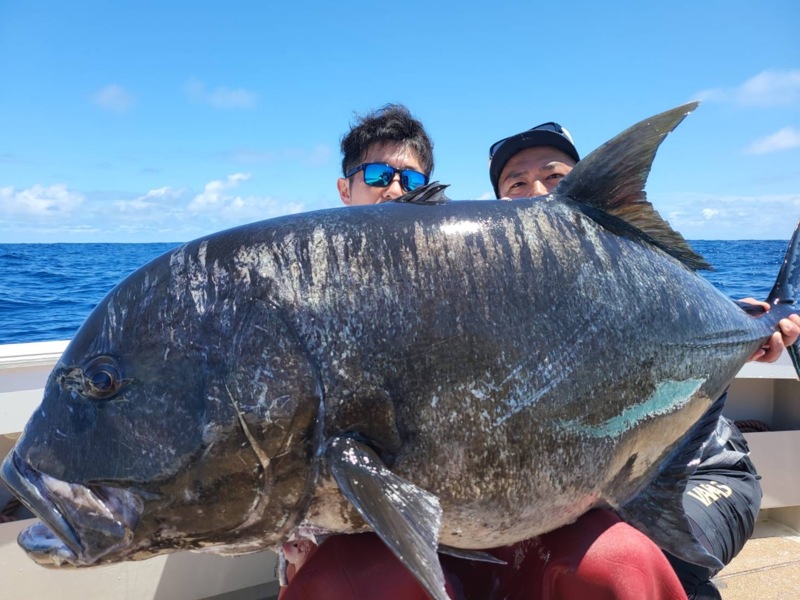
(474, 555)
(658, 510)
(405, 517)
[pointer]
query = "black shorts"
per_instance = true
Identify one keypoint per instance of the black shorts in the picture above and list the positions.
(722, 505)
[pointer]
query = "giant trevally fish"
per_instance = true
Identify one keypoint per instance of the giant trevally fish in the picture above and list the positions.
(452, 375)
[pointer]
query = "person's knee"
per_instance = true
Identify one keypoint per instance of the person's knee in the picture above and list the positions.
(621, 563)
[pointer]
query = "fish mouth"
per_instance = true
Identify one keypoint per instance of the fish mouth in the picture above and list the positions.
(80, 525)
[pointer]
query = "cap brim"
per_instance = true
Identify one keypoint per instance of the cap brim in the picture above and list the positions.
(521, 141)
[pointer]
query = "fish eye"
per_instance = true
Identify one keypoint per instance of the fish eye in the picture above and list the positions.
(102, 378)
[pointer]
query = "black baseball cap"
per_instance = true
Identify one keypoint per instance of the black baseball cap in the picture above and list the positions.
(546, 134)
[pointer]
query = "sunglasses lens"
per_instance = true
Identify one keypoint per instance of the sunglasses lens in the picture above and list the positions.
(411, 180)
(378, 175)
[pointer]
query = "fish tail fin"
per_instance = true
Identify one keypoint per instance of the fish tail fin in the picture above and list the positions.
(784, 295)
(658, 510)
(609, 186)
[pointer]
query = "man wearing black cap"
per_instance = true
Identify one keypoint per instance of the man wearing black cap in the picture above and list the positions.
(722, 498)
(531, 163)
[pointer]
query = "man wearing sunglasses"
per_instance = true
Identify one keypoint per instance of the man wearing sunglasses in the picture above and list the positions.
(386, 154)
(531, 163)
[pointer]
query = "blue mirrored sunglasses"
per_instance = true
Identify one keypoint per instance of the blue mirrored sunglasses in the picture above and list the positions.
(549, 126)
(381, 175)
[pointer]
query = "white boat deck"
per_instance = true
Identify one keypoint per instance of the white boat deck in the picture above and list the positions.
(768, 567)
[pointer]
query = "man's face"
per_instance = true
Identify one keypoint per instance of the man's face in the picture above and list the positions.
(353, 191)
(533, 172)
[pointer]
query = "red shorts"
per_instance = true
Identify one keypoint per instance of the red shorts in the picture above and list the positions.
(596, 557)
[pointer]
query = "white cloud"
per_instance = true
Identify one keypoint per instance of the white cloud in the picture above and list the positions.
(154, 199)
(136, 205)
(768, 88)
(167, 213)
(221, 97)
(114, 98)
(214, 196)
(785, 139)
(164, 192)
(51, 201)
(771, 88)
(706, 216)
(219, 204)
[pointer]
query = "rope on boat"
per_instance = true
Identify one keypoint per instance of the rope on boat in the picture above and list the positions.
(7, 514)
(752, 426)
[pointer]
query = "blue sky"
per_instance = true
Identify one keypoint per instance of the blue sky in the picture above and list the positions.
(164, 121)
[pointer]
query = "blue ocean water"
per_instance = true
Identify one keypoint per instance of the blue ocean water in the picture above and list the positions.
(47, 290)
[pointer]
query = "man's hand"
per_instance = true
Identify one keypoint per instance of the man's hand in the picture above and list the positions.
(296, 554)
(790, 331)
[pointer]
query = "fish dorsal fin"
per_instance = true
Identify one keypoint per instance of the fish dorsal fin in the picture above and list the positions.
(431, 193)
(612, 180)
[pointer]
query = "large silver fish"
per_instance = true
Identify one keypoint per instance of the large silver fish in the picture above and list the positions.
(449, 374)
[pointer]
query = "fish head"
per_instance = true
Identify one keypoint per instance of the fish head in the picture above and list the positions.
(169, 423)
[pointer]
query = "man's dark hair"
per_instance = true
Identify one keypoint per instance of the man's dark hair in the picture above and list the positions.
(392, 123)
